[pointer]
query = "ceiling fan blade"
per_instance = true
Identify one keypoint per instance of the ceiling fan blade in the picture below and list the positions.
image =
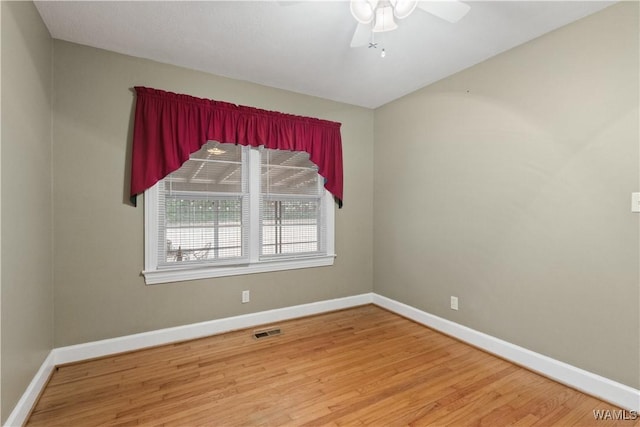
(449, 10)
(361, 36)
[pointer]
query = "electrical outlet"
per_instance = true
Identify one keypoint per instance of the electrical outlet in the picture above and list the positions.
(246, 297)
(454, 303)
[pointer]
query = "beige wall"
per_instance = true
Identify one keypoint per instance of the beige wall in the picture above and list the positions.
(98, 237)
(26, 280)
(508, 185)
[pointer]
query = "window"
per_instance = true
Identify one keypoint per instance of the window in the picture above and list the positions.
(232, 209)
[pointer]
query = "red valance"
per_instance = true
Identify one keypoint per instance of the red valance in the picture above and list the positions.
(170, 127)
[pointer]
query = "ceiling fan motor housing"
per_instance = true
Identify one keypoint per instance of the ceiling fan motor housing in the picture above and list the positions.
(382, 12)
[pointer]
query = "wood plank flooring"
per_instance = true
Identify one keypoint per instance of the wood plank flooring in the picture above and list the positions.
(362, 366)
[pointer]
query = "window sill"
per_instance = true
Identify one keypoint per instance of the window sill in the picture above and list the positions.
(153, 277)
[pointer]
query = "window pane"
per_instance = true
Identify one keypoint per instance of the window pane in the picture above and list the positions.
(290, 226)
(288, 172)
(291, 222)
(214, 168)
(215, 211)
(204, 208)
(203, 229)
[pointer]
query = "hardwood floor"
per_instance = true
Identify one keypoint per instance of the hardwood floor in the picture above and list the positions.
(362, 366)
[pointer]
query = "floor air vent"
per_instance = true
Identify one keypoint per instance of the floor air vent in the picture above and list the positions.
(266, 333)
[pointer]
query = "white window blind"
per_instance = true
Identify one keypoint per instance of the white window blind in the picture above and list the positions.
(291, 217)
(232, 209)
(203, 208)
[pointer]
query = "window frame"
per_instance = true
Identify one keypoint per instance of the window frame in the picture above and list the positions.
(153, 274)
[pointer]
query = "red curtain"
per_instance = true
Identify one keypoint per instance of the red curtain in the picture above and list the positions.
(170, 127)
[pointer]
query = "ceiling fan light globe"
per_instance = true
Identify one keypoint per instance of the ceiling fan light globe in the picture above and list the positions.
(362, 11)
(384, 20)
(404, 8)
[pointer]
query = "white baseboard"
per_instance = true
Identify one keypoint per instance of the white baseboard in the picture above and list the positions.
(619, 394)
(106, 347)
(76, 353)
(20, 413)
(616, 393)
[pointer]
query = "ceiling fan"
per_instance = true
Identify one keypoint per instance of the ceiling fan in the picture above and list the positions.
(379, 16)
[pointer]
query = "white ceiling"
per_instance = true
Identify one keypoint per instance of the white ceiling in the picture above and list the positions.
(304, 46)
